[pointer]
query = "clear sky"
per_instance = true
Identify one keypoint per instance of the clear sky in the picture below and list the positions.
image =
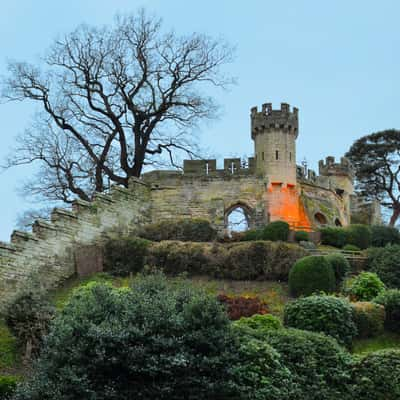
(337, 61)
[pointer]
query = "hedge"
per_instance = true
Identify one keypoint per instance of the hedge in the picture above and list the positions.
(261, 260)
(365, 287)
(125, 255)
(391, 301)
(377, 376)
(320, 367)
(185, 229)
(369, 318)
(383, 235)
(385, 262)
(327, 314)
(311, 274)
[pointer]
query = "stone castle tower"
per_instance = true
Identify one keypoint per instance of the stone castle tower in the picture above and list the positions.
(274, 133)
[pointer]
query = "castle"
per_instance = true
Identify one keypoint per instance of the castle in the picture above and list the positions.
(269, 187)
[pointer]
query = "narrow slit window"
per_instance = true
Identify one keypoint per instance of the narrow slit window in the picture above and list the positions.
(276, 155)
(290, 156)
(262, 156)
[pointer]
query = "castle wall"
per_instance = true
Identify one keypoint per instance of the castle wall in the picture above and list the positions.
(49, 251)
(319, 200)
(206, 196)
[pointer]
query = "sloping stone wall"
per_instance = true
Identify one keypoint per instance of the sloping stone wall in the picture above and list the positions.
(49, 251)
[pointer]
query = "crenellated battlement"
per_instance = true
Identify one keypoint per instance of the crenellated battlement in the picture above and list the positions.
(268, 119)
(331, 168)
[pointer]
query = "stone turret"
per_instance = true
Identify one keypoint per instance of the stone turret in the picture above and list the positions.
(338, 176)
(274, 133)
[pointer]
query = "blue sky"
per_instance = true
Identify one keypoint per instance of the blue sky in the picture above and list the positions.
(337, 61)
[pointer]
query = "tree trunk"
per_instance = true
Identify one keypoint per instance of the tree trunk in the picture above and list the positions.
(395, 216)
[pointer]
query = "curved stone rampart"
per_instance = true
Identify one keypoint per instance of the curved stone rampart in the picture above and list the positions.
(49, 251)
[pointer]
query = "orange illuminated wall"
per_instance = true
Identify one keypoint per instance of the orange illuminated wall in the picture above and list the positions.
(284, 204)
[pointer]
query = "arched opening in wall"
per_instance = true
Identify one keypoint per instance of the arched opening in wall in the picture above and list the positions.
(320, 218)
(237, 219)
(337, 222)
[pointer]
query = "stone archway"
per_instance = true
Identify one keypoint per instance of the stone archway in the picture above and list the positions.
(238, 218)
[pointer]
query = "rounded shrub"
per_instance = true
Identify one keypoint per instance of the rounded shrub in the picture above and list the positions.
(320, 367)
(262, 260)
(8, 384)
(385, 262)
(156, 340)
(365, 287)
(260, 372)
(124, 256)
(301, 236)
(184, 229)
(359, 235)
(331, 236)
(377, 376)
(277, 230)
(351, 247)
(341, 267)
(174, 258)
(369, 318)
(257, 325)
(390, 299)
(327, 314)
(311, 274)
(28, 317)
(383, 235)
(252, 234)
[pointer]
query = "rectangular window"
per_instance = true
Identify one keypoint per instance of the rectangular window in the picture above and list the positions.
(262, 156)
(276, 155)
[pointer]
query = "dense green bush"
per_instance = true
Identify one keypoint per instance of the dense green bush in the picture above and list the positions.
(311, 274)
(369, 318)
(351, 247)
(252, 234)
(391, 301)
(320, 368)
(260, 373)
(174, 257)
(158, 340)
(28, 318)
(301, 236)
(377, 376)
(124, 256)
(327, 314)
(277, 230)
(258, 325)
(385, 262)
(185, 229)
(260, 260)
(358, 235)
(365, 287)
(340, 265)
(383, 235)
(333, 236)
(8, 384)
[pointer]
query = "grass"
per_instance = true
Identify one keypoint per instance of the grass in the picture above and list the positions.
(9, 358)
(387, 340)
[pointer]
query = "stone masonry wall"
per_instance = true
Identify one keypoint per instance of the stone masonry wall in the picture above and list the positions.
(206, 196)
(48, 252)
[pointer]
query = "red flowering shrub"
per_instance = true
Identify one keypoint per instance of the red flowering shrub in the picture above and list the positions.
(242, 306)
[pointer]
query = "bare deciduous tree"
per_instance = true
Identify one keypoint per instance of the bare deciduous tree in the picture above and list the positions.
(113, 100)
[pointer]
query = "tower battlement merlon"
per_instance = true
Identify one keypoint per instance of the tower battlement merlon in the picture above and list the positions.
(330, 167)
(269, 119)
